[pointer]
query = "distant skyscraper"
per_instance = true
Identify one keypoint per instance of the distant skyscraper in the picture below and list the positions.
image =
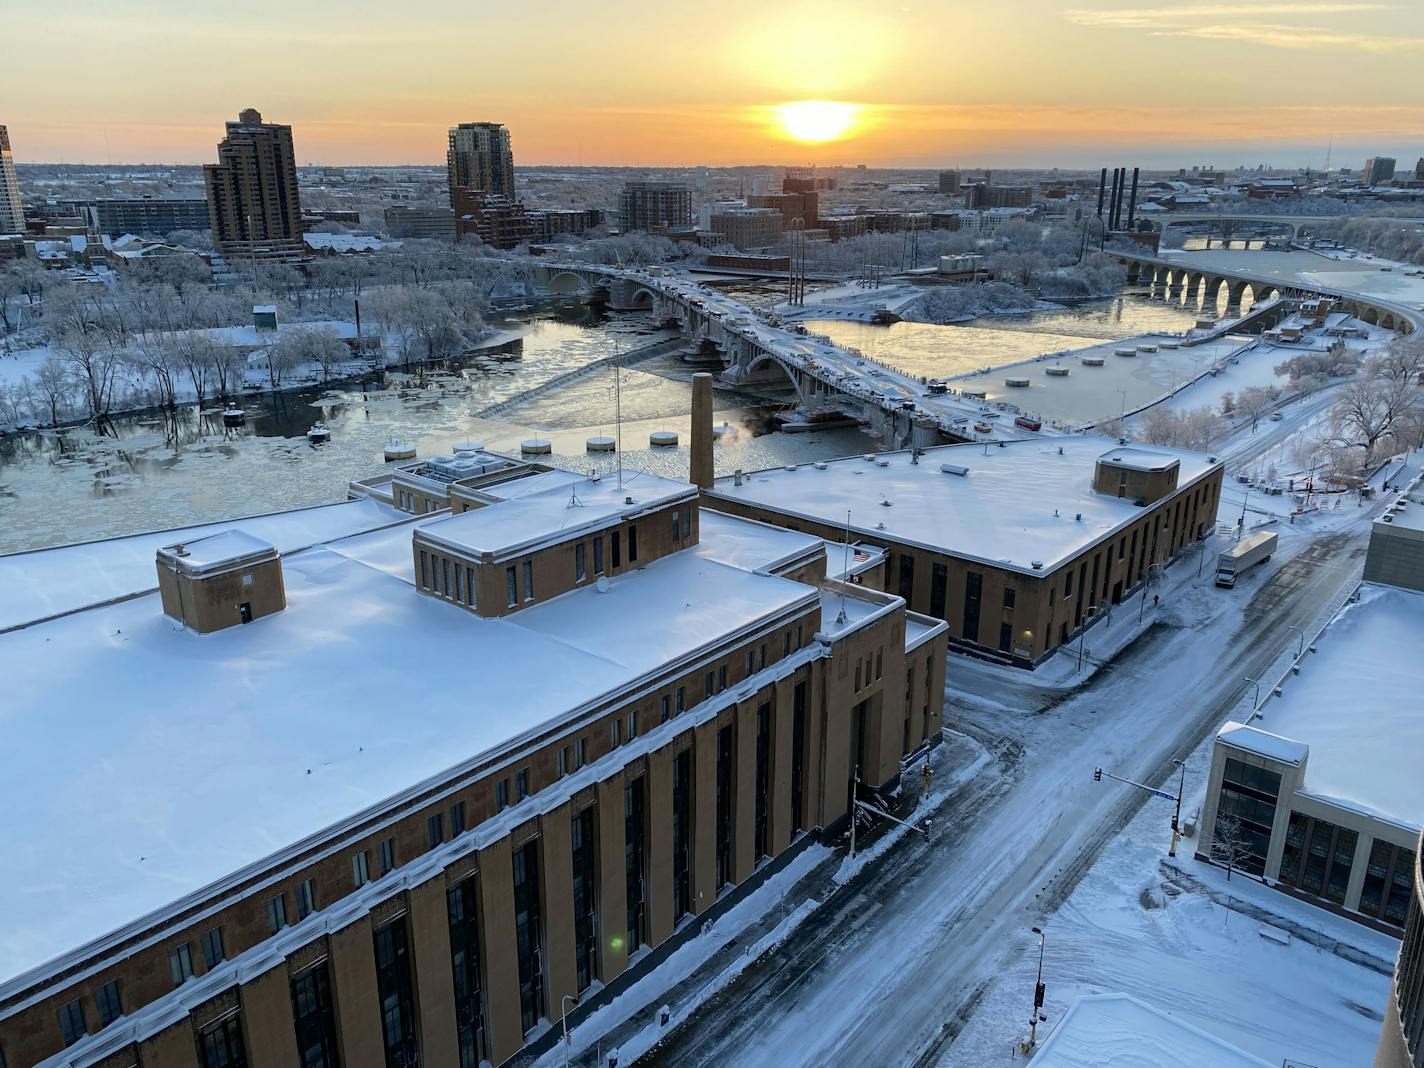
(480, 159)
(1378, 170)
(12, 216)
(654, 206)
(252, 191)
(1419, 170)
(949, 182)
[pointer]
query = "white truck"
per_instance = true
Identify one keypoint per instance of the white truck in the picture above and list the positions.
(1249, 551)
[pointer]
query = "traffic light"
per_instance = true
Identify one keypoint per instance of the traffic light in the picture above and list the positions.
(1038, 996)
(1097, 774)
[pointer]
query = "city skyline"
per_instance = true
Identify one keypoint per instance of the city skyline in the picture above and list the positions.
(914, 87)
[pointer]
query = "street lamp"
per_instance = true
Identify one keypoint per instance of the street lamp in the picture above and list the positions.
(1037, 992)
(1256, 697)
(1300, 651)
(564, 1014)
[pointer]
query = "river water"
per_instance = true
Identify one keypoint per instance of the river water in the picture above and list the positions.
(158, 471)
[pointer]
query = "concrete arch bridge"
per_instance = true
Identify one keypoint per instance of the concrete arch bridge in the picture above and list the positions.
(756, 350)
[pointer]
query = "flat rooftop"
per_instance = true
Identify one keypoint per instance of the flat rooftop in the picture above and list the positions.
(1119, 1031)
(216, 551)
(1017, 503)
(171, 760)
(552, 510)
(750, 545)
(1356, 705)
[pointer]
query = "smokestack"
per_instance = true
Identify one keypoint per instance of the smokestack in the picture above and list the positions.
(1102, 190)
(1132, 200)
(1119, 176)
(702, 430)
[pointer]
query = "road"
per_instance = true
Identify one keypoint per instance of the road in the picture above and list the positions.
(886, 972)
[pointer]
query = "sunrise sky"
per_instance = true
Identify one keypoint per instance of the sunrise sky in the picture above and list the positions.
(659, 83)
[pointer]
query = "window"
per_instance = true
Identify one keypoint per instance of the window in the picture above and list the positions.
(1248, 795)
(71, 1021)
(939, 586)
(617, 550)
(598, 556)
(1385, 892)
(857, 675)
(561, 762)
(633, 543)
(435, 829)
(528, 568)
(424, 570)
(1010, 596)
(907, 578)
(679, 705)
(973, 584)
(463, 903)
(761, 657)
(580, 569)
(277, 913)
(528, 934)
(724, 806)
(470, 586)
(634, 839)
(615, 731)
(682, 834)
(457, 818)
(445, 575)
(220, 1045)
(435, 574)
(314, 1017)
(110, 1008)
(751, 662)
(511, 586)
(1068, 585)
(521, 784)
(1006, 636)
(396, 996)
(585, 900)
(711, 683)
(665, 704)
(360, 868)
(387, 854)
(581, 751)
(180, 963)
(676, 525)
(879, 663)
(306, 899)
(631, 719)
(721, 678)
(213, 948)
(501, 795)
(763, 778)
(798, 755)
(459, 583)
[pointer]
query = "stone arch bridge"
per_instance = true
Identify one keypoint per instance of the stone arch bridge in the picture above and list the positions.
(1207, 287)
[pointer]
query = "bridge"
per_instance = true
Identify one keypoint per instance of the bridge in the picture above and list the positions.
(1184, 283)
(758, 351)
(1298, 226)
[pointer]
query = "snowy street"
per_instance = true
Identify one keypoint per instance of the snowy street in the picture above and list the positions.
(892, 967)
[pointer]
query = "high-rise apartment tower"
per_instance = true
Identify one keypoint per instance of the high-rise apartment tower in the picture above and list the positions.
(480, 159)
(12, 216)
(252, 191)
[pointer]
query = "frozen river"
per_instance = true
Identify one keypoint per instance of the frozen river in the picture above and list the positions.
(155, 472)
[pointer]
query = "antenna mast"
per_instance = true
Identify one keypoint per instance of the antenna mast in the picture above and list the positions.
(618, 414)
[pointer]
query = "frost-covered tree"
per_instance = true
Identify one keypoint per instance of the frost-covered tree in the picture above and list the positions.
(1254, 401)
(1229, 845)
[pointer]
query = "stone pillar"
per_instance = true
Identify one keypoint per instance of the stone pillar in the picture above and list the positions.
(556, 860)
(501, 955)
(613, 882)
(170, 1048)
(267, 1018)
(434, 975)
(659, 808)
(701, 448)
(783, 730)
(704, 817)
(358, 1010)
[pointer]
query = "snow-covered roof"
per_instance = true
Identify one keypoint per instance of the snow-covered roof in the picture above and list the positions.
(554, 513)
(1119, 1031)
(1135, 459)
(216, 551)
(346, 242)
(750, 545)
(1356, 705)
(298, 722)
(1263, 743)
(1002, 511)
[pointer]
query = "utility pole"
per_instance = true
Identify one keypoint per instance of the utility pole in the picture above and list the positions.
(1037, 993)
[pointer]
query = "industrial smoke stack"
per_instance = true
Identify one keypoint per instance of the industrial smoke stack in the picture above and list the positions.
(1102, 190)
(1132, 200)
(702, 430)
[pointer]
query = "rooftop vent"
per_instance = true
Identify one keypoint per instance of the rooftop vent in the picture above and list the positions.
(791, 467)
(627, 500)
(821, 465)
(884, 463)
(886, 504)
(1078, 516)
(869, 456)
(1037, 565)
(954, 469)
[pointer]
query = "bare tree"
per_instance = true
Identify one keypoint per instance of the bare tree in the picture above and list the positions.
(53, 382)
(1229, 846)
(92, 362)
(1254, 401)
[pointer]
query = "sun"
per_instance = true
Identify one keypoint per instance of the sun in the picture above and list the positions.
(815, 121)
